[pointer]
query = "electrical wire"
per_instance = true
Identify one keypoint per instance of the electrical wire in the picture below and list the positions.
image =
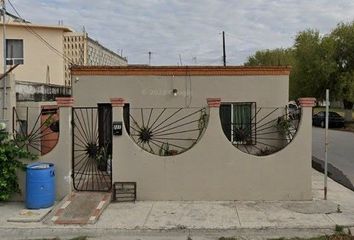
(31, 30)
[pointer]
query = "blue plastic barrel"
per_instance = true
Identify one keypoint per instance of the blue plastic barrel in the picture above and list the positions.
(40, 185)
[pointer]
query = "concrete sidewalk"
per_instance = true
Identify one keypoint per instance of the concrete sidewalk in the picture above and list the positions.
(203, 220)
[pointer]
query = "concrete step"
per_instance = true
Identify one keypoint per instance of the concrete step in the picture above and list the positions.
(81, 208)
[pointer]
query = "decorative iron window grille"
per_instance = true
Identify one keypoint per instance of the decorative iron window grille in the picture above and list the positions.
(242, 124)
(166, 131)
(259, 131)
(238, 122)
(36, 129)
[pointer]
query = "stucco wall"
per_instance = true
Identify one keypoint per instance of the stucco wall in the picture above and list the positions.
(156, 91)
(60, 155)
(37, 55)
(215, 170)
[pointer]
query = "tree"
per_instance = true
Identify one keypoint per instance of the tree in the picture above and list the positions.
(343, 38)
(315, 67)
(318, 62)
(275, 57)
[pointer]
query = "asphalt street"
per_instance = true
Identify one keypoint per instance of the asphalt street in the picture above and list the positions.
(340, 153)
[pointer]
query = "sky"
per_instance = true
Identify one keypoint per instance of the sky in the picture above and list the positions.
(189, 31)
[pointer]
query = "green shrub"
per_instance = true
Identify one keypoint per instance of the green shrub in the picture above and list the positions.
(10, 155)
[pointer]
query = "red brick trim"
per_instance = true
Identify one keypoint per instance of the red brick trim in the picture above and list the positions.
(178, 71)
(117, 102)
(307, 102)
(65, 101)
(214, 102)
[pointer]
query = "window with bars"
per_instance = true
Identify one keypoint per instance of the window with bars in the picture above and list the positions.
(238, 122)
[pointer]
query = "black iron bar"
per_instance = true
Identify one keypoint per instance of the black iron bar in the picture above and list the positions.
(273, 139)
(34, 146)
(93, 126)
(158, 117)
(178, 120)
(160, 147)
(84, 125)
(182, 139)
(80, 159)
(96, 125)
(88, 125)
(40, 128)
(266, 144)
(152, 151)
(255, 115)
(90, 173)
(170, 144)
(267, 115)
(191, 130)
(152, 129)
(84, 165)
(181, 125)
(80, 140)
(97, 177)
(83, 133)
(149, 118)
(266, 133)
(245, 146)
(265, 128)
(40, 136)
(136, 123)
(35, 123)
(83, 147)
(276, 119)
(256, 147)
(134, 129)
(142, 117)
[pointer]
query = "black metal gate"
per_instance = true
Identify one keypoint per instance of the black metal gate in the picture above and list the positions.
(92, 148)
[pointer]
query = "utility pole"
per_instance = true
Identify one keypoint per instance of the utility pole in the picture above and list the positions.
(150, 58)
(4, 92)
(223, 48)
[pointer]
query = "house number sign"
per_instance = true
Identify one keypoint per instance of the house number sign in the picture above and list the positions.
(117, 128)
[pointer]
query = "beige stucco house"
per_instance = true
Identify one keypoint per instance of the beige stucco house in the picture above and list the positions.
(39, 62)
(38, 59)
(45, 52)
(184, 133)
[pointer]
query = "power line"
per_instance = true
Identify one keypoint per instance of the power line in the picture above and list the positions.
(31, 30)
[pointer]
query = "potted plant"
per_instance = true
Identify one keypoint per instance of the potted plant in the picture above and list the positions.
(283, 126)
(101, 159)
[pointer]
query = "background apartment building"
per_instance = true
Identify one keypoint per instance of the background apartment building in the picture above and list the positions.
(80, 49)
(44, 54)
(38, 60)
